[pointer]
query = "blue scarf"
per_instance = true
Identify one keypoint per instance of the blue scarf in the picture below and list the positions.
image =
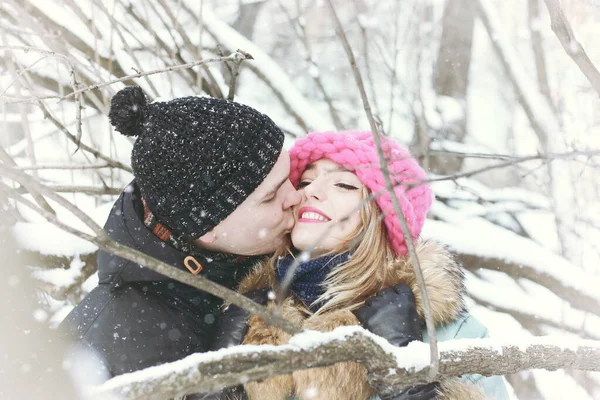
(307, 283)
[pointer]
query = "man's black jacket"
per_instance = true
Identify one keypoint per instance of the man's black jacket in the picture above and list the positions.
(136, 318)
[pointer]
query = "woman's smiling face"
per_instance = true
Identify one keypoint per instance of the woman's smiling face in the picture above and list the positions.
(330, 208)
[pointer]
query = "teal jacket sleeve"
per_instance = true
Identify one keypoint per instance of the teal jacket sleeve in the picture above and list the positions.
(468, 327)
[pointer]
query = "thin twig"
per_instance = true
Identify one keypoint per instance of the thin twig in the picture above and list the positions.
(546, 157)
(235, 71)
(115, 26)
(28, 49)
(134, 76)
(394, 66)
(91, 190)
(200, 35)
(96, 153)
(78, 108)
(549, 156)
(159, 42)
(434, 368)
(215, 90)
(65, 166)
(314, 72)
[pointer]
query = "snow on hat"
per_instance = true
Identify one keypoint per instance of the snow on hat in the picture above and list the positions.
(196, 159)
(357, 152)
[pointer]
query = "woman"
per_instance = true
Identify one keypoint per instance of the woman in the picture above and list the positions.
(347, 223)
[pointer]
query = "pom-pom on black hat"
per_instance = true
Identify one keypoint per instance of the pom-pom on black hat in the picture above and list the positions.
(195, 159)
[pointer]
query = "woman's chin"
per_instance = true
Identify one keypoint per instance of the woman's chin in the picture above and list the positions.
(301, 240)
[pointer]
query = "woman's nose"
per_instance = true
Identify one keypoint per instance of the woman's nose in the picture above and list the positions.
(314, 190)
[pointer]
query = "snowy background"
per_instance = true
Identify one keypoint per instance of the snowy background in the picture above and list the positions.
(508, 128)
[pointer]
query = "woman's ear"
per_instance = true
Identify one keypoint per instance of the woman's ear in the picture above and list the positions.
(208, 237)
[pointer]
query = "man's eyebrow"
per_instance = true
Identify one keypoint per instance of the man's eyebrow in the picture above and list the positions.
(276, 188)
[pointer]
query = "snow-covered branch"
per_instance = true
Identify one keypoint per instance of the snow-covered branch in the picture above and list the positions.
(470, 238)
(65, 283)
(393, 366)
(578, 298)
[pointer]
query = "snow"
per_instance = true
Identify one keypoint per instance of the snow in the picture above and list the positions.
(567, 389)
(410, 358)
(450, 110)
(49, 239)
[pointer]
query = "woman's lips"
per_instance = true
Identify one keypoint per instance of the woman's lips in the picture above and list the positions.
(312, 215)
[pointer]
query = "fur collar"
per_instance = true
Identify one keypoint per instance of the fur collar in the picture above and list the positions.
(444, 280)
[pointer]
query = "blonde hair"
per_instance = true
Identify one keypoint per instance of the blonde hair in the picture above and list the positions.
(366, 271)
(371, 262)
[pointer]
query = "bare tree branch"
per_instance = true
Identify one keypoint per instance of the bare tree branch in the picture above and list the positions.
(561, 27)
(302, 35)
(538, 48)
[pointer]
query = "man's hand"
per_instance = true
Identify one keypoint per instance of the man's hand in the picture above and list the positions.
(233, 323)
(392, 314)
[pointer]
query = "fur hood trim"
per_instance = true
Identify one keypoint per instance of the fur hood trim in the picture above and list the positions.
(444, 281)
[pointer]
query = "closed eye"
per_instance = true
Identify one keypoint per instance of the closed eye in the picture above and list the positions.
(346, 186)
(269, 199)
(303, 184)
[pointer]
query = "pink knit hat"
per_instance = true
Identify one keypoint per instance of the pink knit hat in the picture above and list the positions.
(357, 152)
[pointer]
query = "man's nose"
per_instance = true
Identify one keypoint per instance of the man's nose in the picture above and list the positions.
(293, 197)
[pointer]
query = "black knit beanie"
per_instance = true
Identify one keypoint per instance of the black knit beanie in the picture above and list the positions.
(196, 158)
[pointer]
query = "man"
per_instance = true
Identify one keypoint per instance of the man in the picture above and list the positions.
(211, 195)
